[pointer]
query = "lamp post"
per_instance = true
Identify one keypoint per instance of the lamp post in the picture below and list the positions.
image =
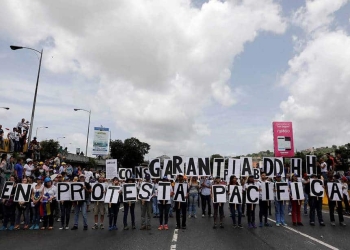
(36, 134)
(36, 87)
(87, 137)
(7, 108)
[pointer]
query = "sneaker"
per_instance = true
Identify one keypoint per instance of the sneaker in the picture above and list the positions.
(333, 223)
(203, 215)
(166, 227)
(110, 228)
(300, 224)
(234, 225)
(177, 227)
(133, 227)
(36, 227)
(342, 224)
(284, 224)
(95, 226)
(305, 213)
(267, 224)
(3, 228)
(261, 224)
(240, 226)
(143, 227)
(160, 227)
(85, 228)
(322, 224)
(211, 215)
(11, 228)
(32, 227)
(59, 219)
(294, 223)
(214, 227)
(67, 228)
(115, 227)
(313, 223)
(126, 228)
(278, 224)
(154, 216)
(195, 216)
(221, 225)
(61, 228)
(253, 225)
(183, 227)
(189, 216)
(289, 213)
(250, 225)
(101, 226)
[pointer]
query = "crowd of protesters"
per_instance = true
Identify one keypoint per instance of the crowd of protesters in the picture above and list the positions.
(43, 210)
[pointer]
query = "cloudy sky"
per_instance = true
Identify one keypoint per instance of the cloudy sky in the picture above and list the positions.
(188, 77)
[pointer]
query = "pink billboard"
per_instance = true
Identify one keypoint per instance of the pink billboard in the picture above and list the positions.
(283, 141)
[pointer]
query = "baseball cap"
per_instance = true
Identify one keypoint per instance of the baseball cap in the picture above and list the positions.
(278, 175)
(29, 160)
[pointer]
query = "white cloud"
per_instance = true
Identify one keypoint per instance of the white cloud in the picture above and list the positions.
(159, 63)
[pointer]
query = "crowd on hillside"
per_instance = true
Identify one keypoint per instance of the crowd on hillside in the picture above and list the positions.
(43, 210)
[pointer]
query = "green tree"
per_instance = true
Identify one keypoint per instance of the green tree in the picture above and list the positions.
(49, 148)
(129, 153)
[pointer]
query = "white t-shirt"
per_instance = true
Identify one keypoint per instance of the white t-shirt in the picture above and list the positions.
(28, 169)
(52, 191)
(324, 167)
(88, 175)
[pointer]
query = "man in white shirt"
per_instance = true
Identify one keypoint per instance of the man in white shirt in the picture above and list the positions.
(29, 168)
(324, 170)
(205, 196)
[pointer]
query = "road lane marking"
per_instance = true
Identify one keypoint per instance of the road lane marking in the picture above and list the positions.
(308, 236)
(174, 240)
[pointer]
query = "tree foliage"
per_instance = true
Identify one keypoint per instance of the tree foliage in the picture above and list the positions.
(49, 148)
(129, 153)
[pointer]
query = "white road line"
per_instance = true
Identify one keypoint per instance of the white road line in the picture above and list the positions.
(174, 241)
(309, 237)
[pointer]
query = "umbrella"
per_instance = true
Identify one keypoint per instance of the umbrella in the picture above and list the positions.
(53, 176)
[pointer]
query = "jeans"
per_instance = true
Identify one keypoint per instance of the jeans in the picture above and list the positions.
(128, 205)
(48, 219)
(9, 215)
(163, 213)
(36, 213)
(233, 209)
(113, 211)
(146, 211)
(66, 207)
(192, 203)
(16, 146)
(155, 206)
(80, 205)
(25, 212)
(181, 207)
(205, 200)
(218, 210)
(279, 209)
(251, 212)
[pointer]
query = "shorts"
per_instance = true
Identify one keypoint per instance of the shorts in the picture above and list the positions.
(99, 208)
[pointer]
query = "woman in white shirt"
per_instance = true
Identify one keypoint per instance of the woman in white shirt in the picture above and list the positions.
(48, 203)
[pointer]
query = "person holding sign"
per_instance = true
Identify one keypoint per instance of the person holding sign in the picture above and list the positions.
(235, 207)
(113, 208)
(344, 182)
(99, 208)
(205, 196)
(9, 207)
(296, 205)
(146, 206)
(263, 204)
(332, 204)
(66, 207)
(23, 208)
(181, 204)
(82, 204)
(129, 205)
(315, 203)
(250, 207)
(164, 194)
(37, 194)
(218, 206)
(279, 204)
(48, 203)
(193, 197)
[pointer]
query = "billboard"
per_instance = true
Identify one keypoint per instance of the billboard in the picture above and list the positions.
(100, 144)
(283, 141)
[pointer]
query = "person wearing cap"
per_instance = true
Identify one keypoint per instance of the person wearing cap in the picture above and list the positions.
(62, 168)
(37, 194)
(29, 168)
(181, 207)
(279, 206)
(82, 205)
(146, 208)
(130, 205)
(315, 204)
(99, 208)
(113, 208)
(48, 204)
(296, 205)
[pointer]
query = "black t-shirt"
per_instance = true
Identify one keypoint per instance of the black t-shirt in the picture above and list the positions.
(88, 187)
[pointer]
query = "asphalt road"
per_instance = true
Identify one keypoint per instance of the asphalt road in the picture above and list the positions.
(198, 235)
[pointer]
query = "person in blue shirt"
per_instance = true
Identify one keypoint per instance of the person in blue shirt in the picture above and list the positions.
(19, 170)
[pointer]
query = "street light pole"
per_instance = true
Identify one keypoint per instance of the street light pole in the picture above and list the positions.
(87, 137)
(36, 134)
(36, 87)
